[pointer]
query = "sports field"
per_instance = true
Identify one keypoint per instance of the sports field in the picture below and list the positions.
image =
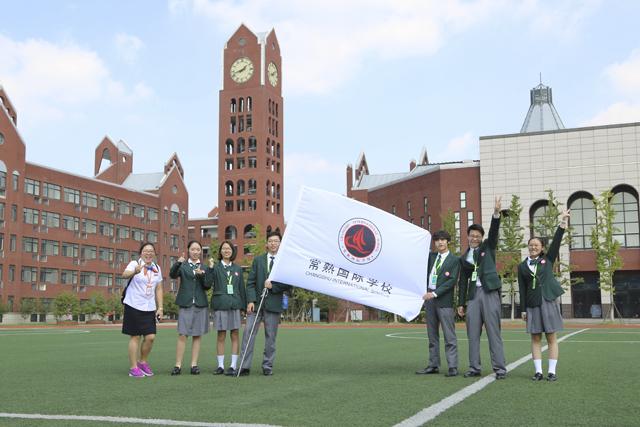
(322, 377)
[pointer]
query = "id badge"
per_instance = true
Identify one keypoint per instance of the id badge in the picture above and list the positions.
(474, 276)
(148, 290)
(230, 289)
(434, 280)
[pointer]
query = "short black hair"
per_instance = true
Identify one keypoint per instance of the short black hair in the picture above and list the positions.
(476, 227)
(146, 244)
(442, 234)
(274, 233)
(234, 250)
(192, 242)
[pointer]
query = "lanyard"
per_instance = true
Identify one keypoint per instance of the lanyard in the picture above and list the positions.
(533, 274)
(229, 278)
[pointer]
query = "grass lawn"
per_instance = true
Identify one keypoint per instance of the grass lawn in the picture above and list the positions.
(321, 377)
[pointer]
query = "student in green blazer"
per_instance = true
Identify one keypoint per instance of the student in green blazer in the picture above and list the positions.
(539, 292)
(479, 289)
(193, 317)
(271, 308)
(228, 298)
(443, 268)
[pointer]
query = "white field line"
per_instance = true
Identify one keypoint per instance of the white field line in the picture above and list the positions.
(7, 333)
(429, 413)
(127, 420)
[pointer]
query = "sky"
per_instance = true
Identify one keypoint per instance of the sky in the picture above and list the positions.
(383, 77)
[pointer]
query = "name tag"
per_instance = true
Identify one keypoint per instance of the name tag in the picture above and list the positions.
(230, 289)
(434, 280)
(474, 276)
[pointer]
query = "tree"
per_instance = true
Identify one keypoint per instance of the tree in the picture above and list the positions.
(66, 304)
(3, 308)
(27, 308)
(98, 305)
(449, 225)
(608, 259)
(545, 226)
(509, 249)
(169, 304)
(114, 305)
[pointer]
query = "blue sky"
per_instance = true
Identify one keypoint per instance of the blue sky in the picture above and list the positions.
(383, 77)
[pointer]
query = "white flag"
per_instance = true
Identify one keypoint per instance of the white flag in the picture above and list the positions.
(347, 249)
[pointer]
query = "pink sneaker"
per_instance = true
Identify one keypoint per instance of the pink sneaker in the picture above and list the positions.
(146, 370)
(136, 372)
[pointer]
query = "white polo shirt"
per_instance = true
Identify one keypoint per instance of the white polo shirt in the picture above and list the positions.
(141, 293)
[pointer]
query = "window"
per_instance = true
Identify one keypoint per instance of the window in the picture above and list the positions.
(70, 250)
(72, 196)
(14, 213)
(31, 216)
(240, 205)
(16, 179)
(88, 252)
(240, 188)
(122, 232)
(241, 105)
(52, 191)
(124, 208)
(469, 218)
(3, 180)
(49, 247)
(152, 214)
(106, 229)
(70, 223)
(175, 216)
(138, 211)
(241, 163)
(253, 186)
(228, 164)
(89, 226)
(49, 275)
(51, 219)
(232, 125)
(233, 105)
(122, 256)
(536, 214)
(230, 233)
(105, 279)
(29, 274)
(249, 103)
(409, 209)
(456, 216)
(152, 237)
(12, 243)
(625, 205)
(12, 273)
(175, 241)
(30, 245)
(241, 145)
(137, 234)
(249, 123)
(68, 277)
(241, 124)
(253, 205)
(32, 187)
(583, 219)
(228, 188)
(107, 204)
(228, 206)
(90, 200)
(422, 221)
(228, 147)
(87, 278)
(463, 200)
(105, 254)
(393, 209)
(253, 162)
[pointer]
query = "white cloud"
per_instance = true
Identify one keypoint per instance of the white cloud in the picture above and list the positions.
(128, 47)
(620, 112)
(561, 19)
(625, 76)
(461, 147)
(50, 81)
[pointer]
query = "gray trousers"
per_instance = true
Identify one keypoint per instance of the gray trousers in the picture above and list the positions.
(271, 321)
(484, 308)
(441, 317)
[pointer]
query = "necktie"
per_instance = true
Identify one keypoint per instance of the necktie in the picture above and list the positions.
(271, 262)
(532, 261)
(475, 255)
(438, 262)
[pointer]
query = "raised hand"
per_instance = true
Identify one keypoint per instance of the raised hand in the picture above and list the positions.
(498, 205)
(182, 258)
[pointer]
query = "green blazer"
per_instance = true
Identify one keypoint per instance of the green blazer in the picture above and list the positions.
(255, 285)
(485, 259)
(447, 278)
(221, 277)
(192, 287)
(547, 285)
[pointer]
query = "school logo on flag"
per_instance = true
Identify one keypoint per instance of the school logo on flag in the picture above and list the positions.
(359, 241)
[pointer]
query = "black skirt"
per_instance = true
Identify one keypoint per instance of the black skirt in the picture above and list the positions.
(138, 322)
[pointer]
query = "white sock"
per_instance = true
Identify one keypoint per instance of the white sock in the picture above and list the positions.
(234, 360)
(221, 361)
(537, 363)
(552, 365)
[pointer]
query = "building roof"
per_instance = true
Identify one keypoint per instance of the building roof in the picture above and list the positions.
(124, 148)
(542, 115)
(144, 181)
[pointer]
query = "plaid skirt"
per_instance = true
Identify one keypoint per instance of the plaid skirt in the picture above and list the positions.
(546, 318)
(226, 320)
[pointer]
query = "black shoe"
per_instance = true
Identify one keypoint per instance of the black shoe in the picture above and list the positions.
(501, 375)
(537, 377)
(471, 373)
(453, 372)
(195, 370)
(244, 372)
(428, 370)
(231, 372)
(218, 371)
(176, 370)
(551, 377)
(267, 372)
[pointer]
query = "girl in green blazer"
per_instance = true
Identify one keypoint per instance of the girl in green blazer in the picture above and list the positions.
(228, 298)
(539, 293)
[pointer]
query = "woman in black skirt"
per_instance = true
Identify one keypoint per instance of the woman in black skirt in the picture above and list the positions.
(539, 293)
(142, 306)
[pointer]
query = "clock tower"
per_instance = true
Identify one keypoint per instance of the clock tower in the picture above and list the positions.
(250, 149)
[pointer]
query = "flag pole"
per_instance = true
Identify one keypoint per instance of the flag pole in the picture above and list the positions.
(255, 320)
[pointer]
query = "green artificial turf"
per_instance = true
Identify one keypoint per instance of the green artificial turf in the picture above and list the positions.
(321, 377)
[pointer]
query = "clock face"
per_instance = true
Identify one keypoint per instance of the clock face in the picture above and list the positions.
(272, 72)
(241, 70)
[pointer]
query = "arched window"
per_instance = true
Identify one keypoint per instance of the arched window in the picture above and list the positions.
(3, 179)
(228, 188)
(625, 205)
(241, 145)
(233, 105)
(249, 233)
(175, 215)
(249, 104)
(268, 146)
(273, 189)
(273, 148)
(536, 213)
(253, 144)
(240, 188)
(230, 233)
(253, 186)
(268, 187)
(228, 147)
(583, 218)
(240, 105)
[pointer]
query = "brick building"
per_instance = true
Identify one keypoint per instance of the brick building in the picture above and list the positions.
(60, 231)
